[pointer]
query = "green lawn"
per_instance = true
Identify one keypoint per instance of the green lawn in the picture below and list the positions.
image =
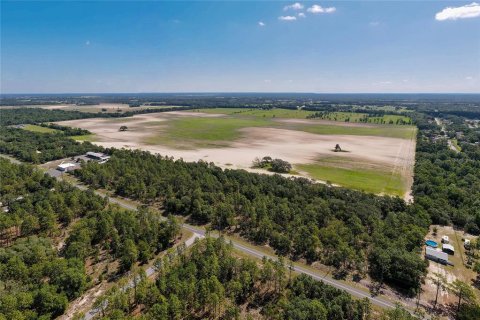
(367, 180)
(35, 128)
(196, 132)
(272, 113)
(85, 137)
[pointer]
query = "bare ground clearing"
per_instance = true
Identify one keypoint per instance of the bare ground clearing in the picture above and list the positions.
(393, 154)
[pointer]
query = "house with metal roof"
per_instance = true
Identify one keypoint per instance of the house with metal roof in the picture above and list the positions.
(437, 256)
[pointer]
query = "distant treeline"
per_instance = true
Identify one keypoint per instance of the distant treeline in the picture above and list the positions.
(351, 231)
(366, 118)
(16, 116)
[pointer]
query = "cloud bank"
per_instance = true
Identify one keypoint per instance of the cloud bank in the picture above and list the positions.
(454, 13)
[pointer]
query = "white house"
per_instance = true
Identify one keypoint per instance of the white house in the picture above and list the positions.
(64, 167)
(448, 248)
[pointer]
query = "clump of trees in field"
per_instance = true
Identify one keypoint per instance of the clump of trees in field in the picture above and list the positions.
(274, 165)
(352, 231)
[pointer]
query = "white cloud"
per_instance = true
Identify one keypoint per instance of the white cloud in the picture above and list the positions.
(261, 23)
(469, 78)
(374, 24)
(382, 83)
(453, 13)
(287, 18)
(87, 43)
(319, 9)
(267, 81)
(302, 15)
(295, 6)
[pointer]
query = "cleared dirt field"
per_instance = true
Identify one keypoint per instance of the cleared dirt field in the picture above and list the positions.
(98, 108)
(232, 142)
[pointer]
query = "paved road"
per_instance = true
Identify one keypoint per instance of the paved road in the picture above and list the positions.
(149, 272)
(198, 233)
(328, 280)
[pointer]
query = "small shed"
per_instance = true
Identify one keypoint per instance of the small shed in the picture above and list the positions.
(434, 255)
(445, 239)
(467, 244)
(448, 248)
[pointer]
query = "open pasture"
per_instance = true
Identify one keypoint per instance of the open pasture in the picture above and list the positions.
(379, 158)
(40, 129)
(352, 117)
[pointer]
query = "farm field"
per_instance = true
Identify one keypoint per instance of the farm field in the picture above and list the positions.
(379, 158)
(360, 176)
(302, 114)
(99, 108)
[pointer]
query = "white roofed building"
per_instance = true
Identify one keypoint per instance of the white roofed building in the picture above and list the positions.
(434, 255)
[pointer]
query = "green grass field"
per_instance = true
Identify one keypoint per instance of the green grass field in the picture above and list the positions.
(257, 113)
(193, 132)
(196, 132)
(390, 131)
(40, 129)
(367, 180)
(302, 114)
(85, 137)
(35, 128)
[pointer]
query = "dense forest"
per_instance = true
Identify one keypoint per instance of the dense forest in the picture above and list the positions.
(209, 282)
(38, 277)
(36, 115)
(352, 231)
(37, 147)
(446, 182)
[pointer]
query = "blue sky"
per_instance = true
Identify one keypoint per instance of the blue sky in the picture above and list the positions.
(253, 46)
